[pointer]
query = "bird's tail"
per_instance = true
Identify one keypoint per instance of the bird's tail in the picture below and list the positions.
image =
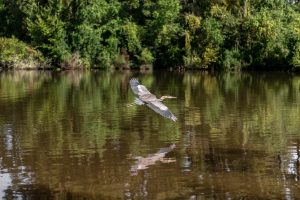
(173, 118)
(134, 82)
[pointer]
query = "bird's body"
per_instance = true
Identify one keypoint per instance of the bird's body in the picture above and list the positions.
(148, 97)
(150, 100)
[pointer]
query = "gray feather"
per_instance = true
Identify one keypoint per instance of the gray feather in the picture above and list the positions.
(137, 88)
(163, 112)
(133, 84)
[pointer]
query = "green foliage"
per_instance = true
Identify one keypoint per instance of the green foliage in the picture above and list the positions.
(2, 17)
(2, 6)
(163, 31)
(269, 39)
(232, 59)
(16, 54)
(146, 57)
(213, 40)
(11, 18)
(193, 22)
(94, 35)
(130, 31)
(199, 34)
(191, 40)
(296, 57)
(47, 32)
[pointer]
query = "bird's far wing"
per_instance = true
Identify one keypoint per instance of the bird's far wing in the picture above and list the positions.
(166, 150)
(137, 88)
(161, 109)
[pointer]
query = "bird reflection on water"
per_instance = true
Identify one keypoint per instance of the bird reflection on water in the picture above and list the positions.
(144, 162)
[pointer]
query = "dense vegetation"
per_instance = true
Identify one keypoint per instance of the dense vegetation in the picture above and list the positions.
(224, 34)
(18, 55)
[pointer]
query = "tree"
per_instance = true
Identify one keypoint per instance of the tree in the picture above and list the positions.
(163, 31)
(47, 30)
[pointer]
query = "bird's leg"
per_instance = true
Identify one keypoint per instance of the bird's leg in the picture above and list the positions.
(166, 97)
(137, 101)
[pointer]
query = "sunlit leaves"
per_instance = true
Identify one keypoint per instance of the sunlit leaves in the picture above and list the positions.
(146, 57)
(131, 33)
(270, 37)
(232, 59)
(192, 22)
(17, 54)
(47, 32)
(296, 57)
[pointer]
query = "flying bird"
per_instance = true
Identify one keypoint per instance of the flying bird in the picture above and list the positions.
(144, 97)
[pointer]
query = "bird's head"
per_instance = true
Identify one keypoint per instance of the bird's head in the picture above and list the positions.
(167, 97)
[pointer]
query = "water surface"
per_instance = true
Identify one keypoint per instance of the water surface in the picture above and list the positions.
(69, 135)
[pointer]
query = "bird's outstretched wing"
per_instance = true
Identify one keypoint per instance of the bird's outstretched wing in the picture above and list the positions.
(137, 88)
(161, 109)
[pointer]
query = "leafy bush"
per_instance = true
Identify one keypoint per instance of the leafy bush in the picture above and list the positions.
(74, 62)
(18, 55)
(120, 62)
(47, 32)
(146, 57)
(296, 58)
(232, 59)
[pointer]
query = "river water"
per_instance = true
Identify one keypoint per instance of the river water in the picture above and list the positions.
(70, 135)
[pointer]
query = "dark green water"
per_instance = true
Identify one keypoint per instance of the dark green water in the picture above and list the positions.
(69, 135)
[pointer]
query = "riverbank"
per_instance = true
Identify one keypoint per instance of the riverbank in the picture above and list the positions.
(17, 55)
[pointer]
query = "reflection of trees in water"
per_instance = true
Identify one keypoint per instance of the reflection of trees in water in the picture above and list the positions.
(56, 123)
(240, 124)
(71, 134)
(17, 84)
(235, 172)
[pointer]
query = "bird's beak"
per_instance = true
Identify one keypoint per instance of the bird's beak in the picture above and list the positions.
(170, 97)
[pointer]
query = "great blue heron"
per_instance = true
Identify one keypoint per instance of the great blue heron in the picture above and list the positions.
(150, 100)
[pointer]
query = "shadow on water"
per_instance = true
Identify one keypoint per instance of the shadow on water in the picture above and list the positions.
(40, 192)
(68, 136)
